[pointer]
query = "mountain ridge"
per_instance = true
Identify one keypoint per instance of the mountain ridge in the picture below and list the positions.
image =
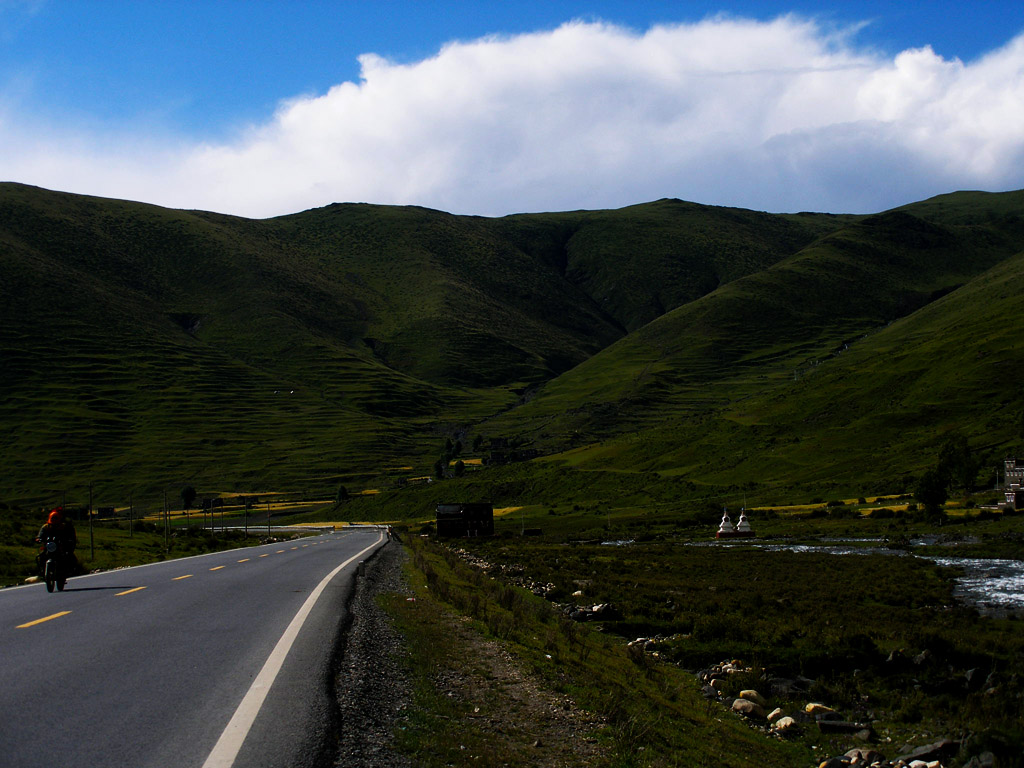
(295, 351)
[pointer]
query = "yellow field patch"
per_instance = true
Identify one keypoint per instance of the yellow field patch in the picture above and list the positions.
(506, 511)
(467, 462)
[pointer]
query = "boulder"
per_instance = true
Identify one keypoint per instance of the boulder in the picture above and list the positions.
(775, 714)
(784, 724)
(984, 760)
(861, 756)
(940, 750)
(754, 696)
(814, 708)
(748, 708)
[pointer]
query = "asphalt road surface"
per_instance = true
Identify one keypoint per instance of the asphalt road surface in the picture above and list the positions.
(209, 661)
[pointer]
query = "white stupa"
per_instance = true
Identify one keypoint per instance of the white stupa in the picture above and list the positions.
(725, 528)
(742, 530)
(743, 527)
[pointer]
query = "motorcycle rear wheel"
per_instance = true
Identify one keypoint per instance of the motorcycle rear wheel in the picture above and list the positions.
(48, 577)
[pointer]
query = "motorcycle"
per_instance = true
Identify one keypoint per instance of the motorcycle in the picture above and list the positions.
(55, 564)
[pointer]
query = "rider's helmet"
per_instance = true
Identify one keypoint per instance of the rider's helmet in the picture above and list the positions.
(56, 517)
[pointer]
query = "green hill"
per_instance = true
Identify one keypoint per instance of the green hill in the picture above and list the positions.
(142, 347)
(723, 388)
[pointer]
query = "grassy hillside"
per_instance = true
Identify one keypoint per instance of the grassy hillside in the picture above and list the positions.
(639, 262)
(142, 347)
(753, 383)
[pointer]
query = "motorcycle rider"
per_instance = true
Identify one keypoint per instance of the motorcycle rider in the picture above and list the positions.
(63, 531)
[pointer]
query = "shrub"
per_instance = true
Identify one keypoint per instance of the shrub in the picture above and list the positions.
(842, 513)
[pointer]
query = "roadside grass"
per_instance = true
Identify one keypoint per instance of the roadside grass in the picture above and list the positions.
(653, 714)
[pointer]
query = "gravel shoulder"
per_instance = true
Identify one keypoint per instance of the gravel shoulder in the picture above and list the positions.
(372, 682)
(456, 698)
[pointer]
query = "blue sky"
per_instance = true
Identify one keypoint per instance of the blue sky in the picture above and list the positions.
(241, 106)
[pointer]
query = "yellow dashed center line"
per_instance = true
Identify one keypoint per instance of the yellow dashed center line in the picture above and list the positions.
(40, 621)
(179, 578)
(245, 560)
(266, 555)
(217, 568)
(129, 591)
(280, 551)
(294, 547)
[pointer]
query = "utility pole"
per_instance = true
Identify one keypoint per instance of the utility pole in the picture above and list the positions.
(167, 522)
(92, 543)
(131, 514)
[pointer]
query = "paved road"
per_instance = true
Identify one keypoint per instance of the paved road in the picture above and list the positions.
(148, 666)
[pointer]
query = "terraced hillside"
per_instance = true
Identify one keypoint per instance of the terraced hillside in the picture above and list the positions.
(845, 363)
(142, 347)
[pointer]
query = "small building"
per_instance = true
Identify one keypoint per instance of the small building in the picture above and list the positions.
(1014, 483)
(465, 519)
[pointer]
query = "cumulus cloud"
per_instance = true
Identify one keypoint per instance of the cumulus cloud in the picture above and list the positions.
(781, 116)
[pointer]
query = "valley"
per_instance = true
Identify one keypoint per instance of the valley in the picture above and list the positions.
(603, 377)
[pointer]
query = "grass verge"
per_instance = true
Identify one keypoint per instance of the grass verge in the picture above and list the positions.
(628, 710)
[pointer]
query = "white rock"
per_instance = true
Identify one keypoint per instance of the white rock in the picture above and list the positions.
(754, 696)
(748, 708)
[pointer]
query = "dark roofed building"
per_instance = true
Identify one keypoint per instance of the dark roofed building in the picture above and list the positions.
(469, 519)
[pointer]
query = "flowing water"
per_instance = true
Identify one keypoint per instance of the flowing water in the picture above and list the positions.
(994, 587)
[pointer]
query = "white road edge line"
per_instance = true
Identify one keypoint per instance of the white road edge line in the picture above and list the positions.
(230, 742)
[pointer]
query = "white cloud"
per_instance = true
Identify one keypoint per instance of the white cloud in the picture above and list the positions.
(778, 116)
